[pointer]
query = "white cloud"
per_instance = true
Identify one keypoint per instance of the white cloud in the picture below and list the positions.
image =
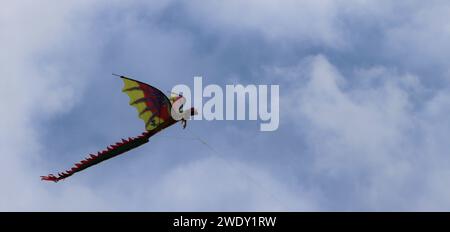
(420, 39)
(315, 22)
(214, 183)
(31, 91)
(378, 134)
(373, 136)
(44, 47)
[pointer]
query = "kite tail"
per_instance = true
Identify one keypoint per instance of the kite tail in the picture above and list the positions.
(110, 152)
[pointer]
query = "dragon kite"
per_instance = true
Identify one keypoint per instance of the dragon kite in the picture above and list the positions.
(153, 107)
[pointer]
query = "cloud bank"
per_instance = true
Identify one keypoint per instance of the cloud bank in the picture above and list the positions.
(364, 106)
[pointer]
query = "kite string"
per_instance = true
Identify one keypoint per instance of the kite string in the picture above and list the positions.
(218, 155)
(239, 170)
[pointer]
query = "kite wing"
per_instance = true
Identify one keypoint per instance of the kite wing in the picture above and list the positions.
(153, 107)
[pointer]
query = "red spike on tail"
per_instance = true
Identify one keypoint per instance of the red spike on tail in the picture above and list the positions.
(101, 156)
(50, 177)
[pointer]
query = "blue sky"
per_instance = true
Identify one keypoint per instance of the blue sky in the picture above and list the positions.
(364, 96)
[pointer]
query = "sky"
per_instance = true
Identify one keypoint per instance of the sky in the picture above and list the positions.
(364, 105)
